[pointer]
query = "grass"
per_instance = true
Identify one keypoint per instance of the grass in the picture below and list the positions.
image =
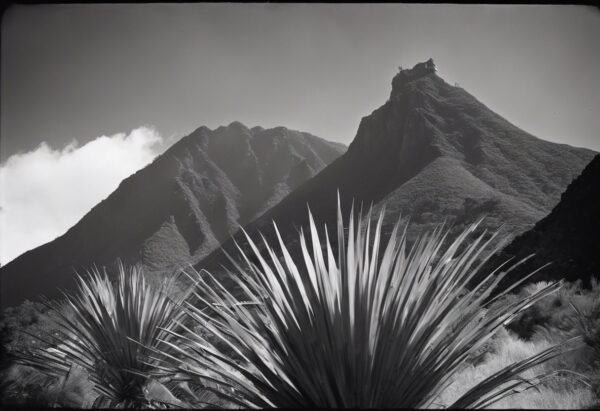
(562, 391)
(352, 330)
(571, 311)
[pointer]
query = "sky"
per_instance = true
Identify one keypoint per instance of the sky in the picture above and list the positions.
(91, 93)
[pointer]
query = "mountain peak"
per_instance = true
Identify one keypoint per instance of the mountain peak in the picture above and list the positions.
(418, 71)
(236, 125)
(432, 152)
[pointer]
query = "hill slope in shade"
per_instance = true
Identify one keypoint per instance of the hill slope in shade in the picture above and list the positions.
(178, 208)
(432, 152)
(567, 237)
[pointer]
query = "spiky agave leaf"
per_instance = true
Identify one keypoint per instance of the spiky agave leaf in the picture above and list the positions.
(378, 326)
(105, 328)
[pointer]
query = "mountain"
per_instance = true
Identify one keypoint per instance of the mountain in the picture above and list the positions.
(177, 209)
(567, 237)
(432, 152)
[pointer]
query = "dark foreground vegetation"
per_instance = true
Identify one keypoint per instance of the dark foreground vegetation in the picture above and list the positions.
(378, 324)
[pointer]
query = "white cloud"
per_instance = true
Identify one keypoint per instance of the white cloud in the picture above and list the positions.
(46, 191)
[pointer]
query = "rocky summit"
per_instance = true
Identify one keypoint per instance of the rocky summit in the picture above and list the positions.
(432, 152)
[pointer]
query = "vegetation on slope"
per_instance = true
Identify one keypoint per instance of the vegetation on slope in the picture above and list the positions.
(374, 324)
(351, 330)
(549, 321)
(567, 237)
(575, 382)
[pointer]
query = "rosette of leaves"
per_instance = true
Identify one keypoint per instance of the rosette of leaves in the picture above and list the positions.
(376, 324)
(106, 330)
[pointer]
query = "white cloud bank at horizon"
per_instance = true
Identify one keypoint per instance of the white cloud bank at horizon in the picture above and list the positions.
(44, 192)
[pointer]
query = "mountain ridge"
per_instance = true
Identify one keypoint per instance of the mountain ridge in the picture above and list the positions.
(178, 208)
(431, 152)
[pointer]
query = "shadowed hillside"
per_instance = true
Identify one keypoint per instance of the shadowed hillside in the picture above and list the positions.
(177, 209)
(567, 237)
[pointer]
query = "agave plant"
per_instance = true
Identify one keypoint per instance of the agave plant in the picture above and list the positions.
(378, 324)
(100, 328)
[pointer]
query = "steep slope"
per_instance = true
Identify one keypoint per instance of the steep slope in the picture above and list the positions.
(433, 152)
(177, 209)
(567, 237)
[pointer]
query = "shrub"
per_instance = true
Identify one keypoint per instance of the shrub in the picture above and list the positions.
(528, 322)
(572, 311)
(589, 323)
(22, 385)
(26, 386)
(100, 332)
(361, 330)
